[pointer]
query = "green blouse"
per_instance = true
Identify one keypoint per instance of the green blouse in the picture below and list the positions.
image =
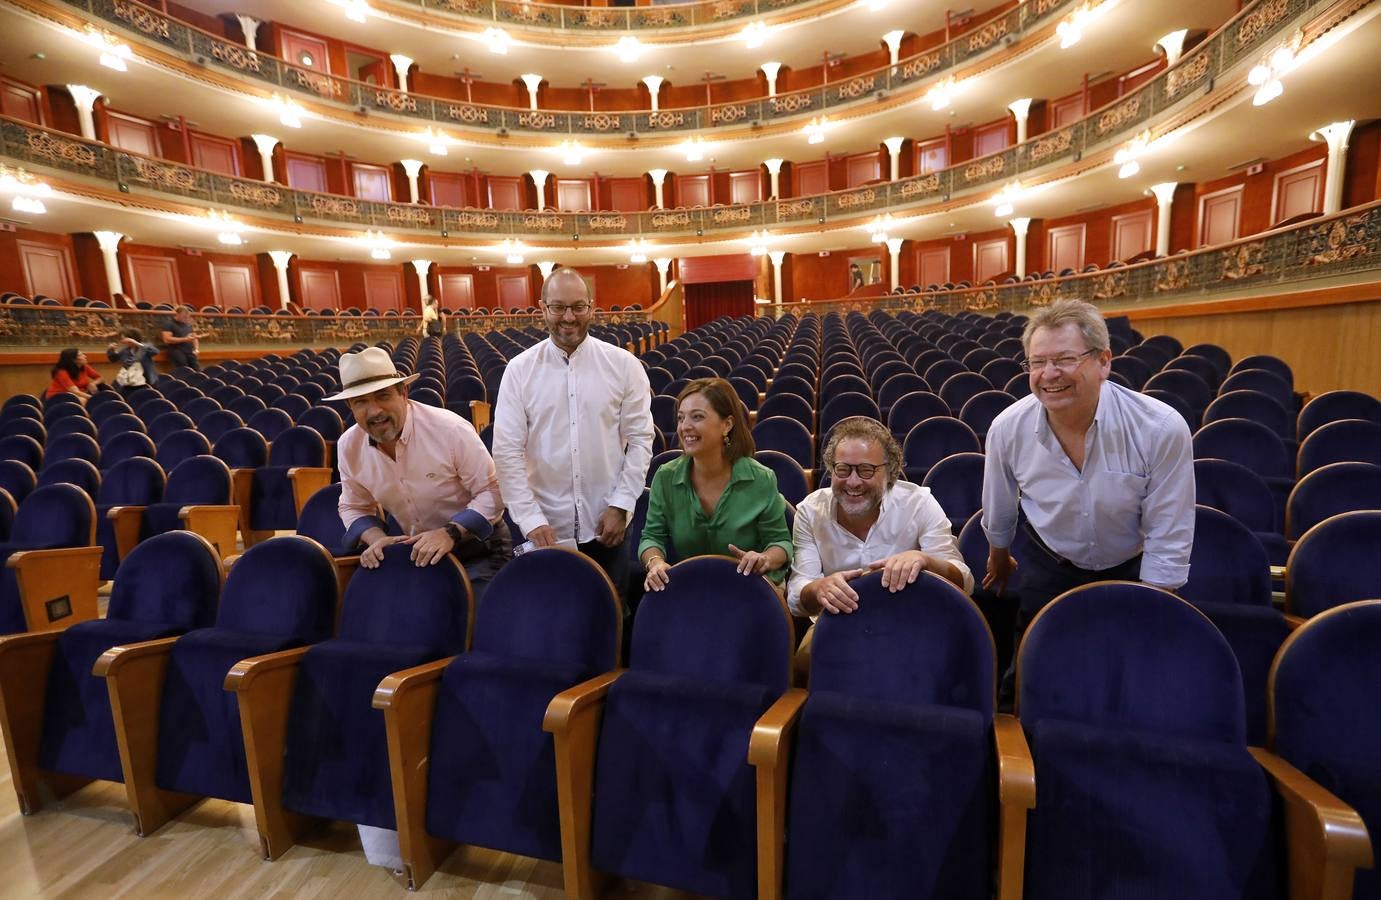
(750, 514)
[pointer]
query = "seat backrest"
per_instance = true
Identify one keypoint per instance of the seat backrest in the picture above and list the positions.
(201, 480)
(137, 481)
(1273, 364)
(17, 478)
(791, 478)
(429, 605)
(283, 586)
(1331, 564)
(1254, 405)
(1334, 405)
(786, 435)
(242, 448)
(126, 446)
(270, 423)
(1263, 382)
(173, 578)
(1344, 440)
(181, 445)
(1184, 384)
(1236, 490)
(77, 472)
(1244, 441)
(1227, 564)
(56, 515)
(1126, 655)
(71, 446)
(1329, 490)
(298, 446)
(552, 606)
(847, 405)
(926, 644)
(932, 439)
(325, 420)
(713, 624)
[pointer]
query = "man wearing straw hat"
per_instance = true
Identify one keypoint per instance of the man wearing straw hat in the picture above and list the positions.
(425, 466)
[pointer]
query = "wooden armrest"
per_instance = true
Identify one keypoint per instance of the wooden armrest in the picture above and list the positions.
(306, 481)
(800, 660)
(215, 523)
(573, 701)
(1016, 774)
(1326, 839)
(1293, 622)
(126, 522)
(480, 414)
(25, 660)
(114, 661)
(57, 587)
(767, 753)
(241, 492)
(245, 673)
(408, 699)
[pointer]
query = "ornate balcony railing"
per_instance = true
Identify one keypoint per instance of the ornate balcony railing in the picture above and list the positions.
(521, 14)
(1346, 245)
(152, 26)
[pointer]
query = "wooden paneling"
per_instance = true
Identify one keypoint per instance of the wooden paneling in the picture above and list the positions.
(215, 154)
(513, 291)
(628, 194)
(383, 290)
(319, 288)
(47, 270)
(932, 266)
(19, 101)
(154, 278)
(692, 190)
(1298, 191)
(708, 269)
(931, 156)
(989, 259)
(811, 178)
(505, 192)
(1131, 234)
(448, 189)
(372, 182)
(991, 138)
(457, 291)
(234, 285)
(304, 50)
(745, 187)
(1219, 216)
(133, 134)
(305, 173)
(1065, 248)
(863, 168)
(573, 195)
(1066, 111)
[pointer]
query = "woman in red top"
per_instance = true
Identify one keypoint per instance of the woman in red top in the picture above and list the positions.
(73, 376)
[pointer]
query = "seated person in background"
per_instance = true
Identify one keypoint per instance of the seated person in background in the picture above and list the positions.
(433, 319)
(180, 341)
(73, 376)
(715, 498)
(867, 520)
(135, 358)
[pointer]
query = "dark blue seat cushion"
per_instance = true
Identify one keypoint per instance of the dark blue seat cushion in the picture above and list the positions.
(889, 800)
(1255, 633)
(674, 793)
(161, 518)
(492, 780)
(336, 761)
(1133, 814)
(78, 732)
(200, 744)
(272, 506)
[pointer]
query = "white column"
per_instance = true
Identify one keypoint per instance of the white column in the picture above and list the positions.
(777, 256)
(1165, 196)
(85, 98)
(533, 82)
(412, 168)
(265, 143)
(893, 41)
(663, 264)
(654, 87)
(545, 267)
(420, 266)
(893, 145)
(659, 177)
(1020, 227)
(774, 173)
(894, 253)
(539, 180)
(1337, 136)
(250, 26)
(108, 242)
(1173, 45)
(1021, 109)
(280, 267)
(401, 65)
(770, 69)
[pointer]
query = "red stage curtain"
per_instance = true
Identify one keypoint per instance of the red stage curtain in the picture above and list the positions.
(705, 302)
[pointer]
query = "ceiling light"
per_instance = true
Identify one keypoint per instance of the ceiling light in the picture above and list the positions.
(230, 238)
(637, 250)
(113, 51)
(754, 34)
(436, 142)
(1268, 92)
(629, 48)
(356, 10)
(1265, 76)
(1126, 157)
(1071, 29)
(497, 40)
(513, 252)
(571, 152)
(1004, 202)
(694, 148)
(815, 130)
(378, 244)
(25, 204)
(877, 5)
(758, 242)
(877, 229)
(289, 113)
(941, 94)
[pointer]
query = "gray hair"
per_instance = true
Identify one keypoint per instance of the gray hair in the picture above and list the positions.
(1066, 312)
(563, 272)
(862, 428)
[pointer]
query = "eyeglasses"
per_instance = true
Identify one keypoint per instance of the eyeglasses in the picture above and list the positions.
(1061, 363)
(864, 470)
(559, 310)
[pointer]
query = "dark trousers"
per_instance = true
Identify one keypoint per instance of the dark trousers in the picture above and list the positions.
(181, 355)
(613, 560)
(1046, 575)
(483, 559)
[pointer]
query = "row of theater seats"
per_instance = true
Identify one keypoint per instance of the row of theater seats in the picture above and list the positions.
(883, 773)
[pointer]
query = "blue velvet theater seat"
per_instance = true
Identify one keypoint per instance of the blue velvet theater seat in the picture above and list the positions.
(549, 621)
(135, 482)
(673, 799)
(1334, 563)
(52, 517)
(273, 504)
(1133, 704)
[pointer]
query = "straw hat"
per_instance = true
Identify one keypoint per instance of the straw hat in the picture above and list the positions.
(368, 371)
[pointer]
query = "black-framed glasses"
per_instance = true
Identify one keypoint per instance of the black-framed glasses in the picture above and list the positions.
(1061, 363)
(559, 309)
(864, 470)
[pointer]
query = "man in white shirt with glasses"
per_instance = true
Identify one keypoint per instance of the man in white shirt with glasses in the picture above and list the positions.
(1102, 476)
(573, 432)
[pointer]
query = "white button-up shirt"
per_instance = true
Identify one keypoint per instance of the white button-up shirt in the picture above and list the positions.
(909, 519)
(1134, 495)
(572, 436)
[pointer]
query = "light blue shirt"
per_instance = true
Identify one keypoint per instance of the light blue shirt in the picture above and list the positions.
(1134, 495)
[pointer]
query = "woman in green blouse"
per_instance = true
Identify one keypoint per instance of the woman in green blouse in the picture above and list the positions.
(715, 498)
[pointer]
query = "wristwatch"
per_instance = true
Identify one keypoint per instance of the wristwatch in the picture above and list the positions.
(454, 531)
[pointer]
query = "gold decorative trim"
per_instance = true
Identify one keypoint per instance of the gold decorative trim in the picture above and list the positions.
(1260, 20)
(671, 219)
(141, 18)
(1118, 115)
(1043, 147)
(730, 214)
(544, 223)
(858, 198)
(255, 194)
(606, 222)
(992, 166)
(1186, 74)
(864, 84)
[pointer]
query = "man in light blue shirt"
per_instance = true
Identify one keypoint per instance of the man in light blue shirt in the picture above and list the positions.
(1103, 475)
